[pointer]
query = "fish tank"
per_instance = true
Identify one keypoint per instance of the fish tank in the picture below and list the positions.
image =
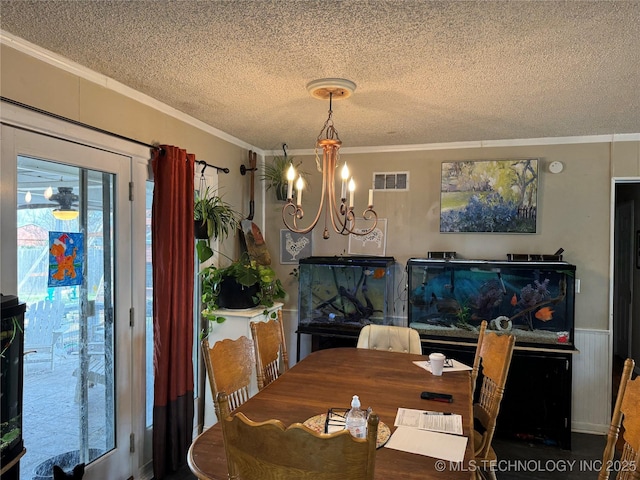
(533, 300)
(340, 295)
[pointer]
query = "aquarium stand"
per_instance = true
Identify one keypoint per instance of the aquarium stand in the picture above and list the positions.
(323, 338)
(532, 298)
(536, 406)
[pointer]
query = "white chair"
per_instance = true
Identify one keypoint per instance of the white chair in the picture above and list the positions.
(390, 338)
(43, 331)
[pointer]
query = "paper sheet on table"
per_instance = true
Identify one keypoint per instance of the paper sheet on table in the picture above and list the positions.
(409, 417)
(431, 444)
(455, 366)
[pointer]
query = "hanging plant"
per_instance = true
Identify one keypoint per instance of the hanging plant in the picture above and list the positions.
(213, 218)
(274, 174)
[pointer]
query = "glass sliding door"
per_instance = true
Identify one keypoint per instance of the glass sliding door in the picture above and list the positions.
(73, 270)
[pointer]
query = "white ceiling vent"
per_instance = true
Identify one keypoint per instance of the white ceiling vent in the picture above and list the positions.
(391, 181)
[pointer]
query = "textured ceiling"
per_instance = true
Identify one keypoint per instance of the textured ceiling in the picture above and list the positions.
(426, 72)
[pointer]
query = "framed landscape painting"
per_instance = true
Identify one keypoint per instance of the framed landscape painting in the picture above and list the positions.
(489, 196)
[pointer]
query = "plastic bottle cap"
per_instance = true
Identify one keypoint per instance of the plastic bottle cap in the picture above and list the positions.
(355, 401)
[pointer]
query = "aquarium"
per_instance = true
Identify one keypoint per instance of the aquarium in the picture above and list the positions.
(342, 294)
(11, 351)
(532, 300)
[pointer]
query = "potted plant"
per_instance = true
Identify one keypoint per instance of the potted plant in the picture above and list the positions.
(243, 284)
(274, 175)
(213, 218)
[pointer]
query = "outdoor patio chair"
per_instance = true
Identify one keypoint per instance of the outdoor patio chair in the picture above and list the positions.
(43, 331)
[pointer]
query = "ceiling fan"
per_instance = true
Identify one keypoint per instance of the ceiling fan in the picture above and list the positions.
(66, 200)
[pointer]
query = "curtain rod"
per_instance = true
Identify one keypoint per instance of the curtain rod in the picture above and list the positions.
(100, 130)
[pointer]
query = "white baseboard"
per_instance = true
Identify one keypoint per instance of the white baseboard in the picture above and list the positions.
(592, 428)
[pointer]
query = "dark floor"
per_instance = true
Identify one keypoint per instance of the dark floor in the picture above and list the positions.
(523, 460)
(183, 474)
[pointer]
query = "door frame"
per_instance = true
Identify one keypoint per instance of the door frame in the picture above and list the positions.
(139, 160)
(616, 182)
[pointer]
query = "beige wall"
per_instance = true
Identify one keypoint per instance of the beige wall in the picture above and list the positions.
(574, 211)
(574, 206)
(38, 84)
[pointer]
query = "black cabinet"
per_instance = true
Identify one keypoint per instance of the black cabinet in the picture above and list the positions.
(11, 370)
(536, 405)
(537, 399)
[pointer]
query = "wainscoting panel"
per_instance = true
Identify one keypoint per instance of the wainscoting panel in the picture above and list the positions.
(591, 405)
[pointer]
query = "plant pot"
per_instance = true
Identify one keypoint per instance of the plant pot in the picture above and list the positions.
(234, 295)
(281, 192)
(200, 230)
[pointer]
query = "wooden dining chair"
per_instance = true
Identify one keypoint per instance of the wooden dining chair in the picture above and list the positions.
(229, 365)
(270, 347)
(626, 413)
(390, 338)
(476, 359)
(269, 451)
(495, 354)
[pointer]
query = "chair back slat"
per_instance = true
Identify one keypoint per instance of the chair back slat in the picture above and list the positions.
(269, 451)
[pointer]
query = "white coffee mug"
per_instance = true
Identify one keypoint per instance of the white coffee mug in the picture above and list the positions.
(437, 363)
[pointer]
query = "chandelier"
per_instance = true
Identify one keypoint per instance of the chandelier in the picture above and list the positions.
(341, 217)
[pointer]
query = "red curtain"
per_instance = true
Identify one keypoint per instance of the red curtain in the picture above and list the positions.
(172, 257)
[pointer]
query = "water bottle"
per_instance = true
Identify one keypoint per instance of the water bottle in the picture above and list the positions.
(356, 421)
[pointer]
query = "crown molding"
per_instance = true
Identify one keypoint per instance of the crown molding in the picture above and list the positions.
(85, 73)
(518, 142)
(111, 84)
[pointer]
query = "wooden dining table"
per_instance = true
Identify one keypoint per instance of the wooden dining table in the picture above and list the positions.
(384, 381)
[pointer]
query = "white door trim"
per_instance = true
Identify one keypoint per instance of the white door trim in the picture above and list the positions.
(24, 119)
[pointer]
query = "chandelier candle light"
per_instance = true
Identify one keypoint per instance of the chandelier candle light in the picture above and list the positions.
(342, 217)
